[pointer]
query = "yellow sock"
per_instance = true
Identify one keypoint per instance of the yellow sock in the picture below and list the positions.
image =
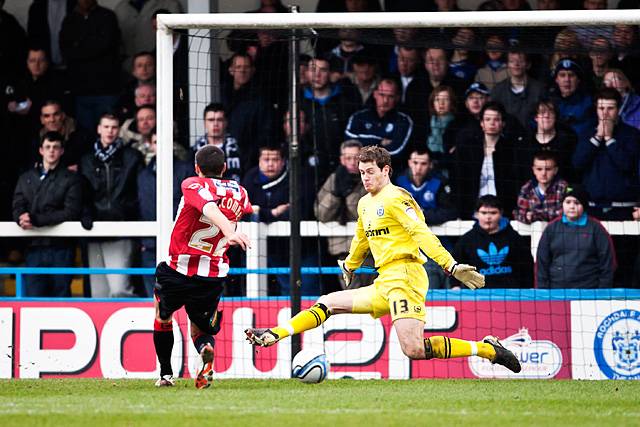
(310, 318)
(445, 348)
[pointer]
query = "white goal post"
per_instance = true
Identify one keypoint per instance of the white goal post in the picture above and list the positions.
(168, 23)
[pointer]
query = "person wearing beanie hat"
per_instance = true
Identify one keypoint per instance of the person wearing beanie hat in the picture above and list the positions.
(568, 64)
(575, 105)
(579, 193)
(575, 250)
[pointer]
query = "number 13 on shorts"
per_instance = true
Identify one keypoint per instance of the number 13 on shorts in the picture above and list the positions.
(399, 307)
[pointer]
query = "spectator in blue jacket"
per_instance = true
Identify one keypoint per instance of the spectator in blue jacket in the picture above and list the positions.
(630, 109)
(383, 124)
(575, 251)
(430, 189)
(432, 192)
(608, 161)
(575, 105)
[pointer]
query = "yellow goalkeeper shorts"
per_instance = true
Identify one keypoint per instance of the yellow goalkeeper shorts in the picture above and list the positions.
(400, 289)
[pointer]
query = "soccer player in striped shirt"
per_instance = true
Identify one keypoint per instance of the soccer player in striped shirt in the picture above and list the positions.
(391, 225)
(193, 276)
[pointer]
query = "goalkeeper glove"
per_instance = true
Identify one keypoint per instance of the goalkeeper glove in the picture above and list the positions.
(468, 275)
(347, 274)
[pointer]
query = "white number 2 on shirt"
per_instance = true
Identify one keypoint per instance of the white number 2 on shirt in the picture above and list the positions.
(198, 239)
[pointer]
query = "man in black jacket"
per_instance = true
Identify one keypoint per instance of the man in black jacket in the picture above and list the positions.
(327, 108)
(268, 187)
(90, 45)
(251, 118)
(111, 171)
(487, 163)
(44, 24)
(48, 195)
(499, 252)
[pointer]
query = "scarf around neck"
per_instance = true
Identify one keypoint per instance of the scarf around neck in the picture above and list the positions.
(438, 126)
(105, 154)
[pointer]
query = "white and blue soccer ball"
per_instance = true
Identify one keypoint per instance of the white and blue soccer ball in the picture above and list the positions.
(310, 366)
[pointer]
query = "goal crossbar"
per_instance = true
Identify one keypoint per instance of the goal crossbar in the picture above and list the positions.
(535, 18)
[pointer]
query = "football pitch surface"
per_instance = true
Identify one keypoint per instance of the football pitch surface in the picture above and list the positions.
(93, 402)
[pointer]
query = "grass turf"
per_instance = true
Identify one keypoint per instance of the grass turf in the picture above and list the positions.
(341, 402)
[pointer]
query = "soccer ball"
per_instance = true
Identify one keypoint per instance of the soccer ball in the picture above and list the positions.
(310, 366)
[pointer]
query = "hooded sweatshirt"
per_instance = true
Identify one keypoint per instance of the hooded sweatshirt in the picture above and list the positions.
(503, 257)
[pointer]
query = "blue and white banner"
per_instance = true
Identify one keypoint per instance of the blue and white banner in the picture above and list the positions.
(605, 340)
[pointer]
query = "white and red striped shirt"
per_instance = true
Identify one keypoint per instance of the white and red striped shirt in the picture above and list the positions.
(197, 246)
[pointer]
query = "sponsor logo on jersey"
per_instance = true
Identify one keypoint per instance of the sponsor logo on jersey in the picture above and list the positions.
(617, 345)
(412, 213)
(494, 258)
(205, 194)
(377, 232)
(539, 358)
(232, 185)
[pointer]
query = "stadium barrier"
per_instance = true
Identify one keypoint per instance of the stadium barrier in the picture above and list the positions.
(579, 334)
(256, 256)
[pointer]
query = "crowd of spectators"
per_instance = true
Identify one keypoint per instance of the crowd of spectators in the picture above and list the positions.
(492, 124)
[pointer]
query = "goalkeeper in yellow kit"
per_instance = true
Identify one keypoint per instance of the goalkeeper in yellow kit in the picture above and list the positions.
(392, 226)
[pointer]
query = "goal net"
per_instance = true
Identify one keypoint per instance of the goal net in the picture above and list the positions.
(468, 104)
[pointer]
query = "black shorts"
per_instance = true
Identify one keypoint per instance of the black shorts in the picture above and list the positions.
(199, 296)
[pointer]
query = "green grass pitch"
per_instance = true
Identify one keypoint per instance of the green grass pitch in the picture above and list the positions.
(478, 403)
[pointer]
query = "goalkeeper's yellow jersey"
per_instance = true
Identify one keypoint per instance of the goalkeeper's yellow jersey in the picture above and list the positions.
(392, 226)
